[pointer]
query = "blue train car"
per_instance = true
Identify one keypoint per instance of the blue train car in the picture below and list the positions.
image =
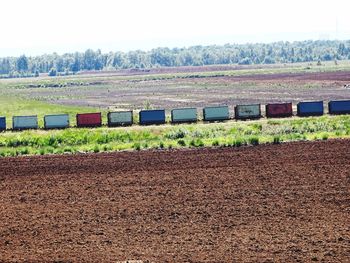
(148, 117)
(2, 123)
(339, 107)
(310, 108)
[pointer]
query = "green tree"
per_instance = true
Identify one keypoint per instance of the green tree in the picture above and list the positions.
(75, 66)
(89, 59)
(5, 66)
(278, 52)
(268, 60)
(22, 64)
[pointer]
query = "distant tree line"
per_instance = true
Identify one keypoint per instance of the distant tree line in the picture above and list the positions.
(244, 54)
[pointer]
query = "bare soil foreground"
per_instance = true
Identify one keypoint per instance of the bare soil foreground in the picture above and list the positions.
(270, 203)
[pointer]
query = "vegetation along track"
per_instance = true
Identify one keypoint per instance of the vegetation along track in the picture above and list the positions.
(269, 203)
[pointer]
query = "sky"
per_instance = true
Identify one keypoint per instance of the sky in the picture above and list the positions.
(39, 26)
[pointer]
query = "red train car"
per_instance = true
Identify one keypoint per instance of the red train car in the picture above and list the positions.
(89, 120)
(277, 110)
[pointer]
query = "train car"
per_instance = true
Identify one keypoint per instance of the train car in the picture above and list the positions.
(218, 113)
(183, 115)
(277, 110)
(148, 117)
(244, 112)
(2, 123)
(310, 108)
(57, 121)
(120, 118)
(339, 107)
(89, 120)
(24, 122)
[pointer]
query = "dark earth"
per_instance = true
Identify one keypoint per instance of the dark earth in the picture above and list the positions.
(269, 203)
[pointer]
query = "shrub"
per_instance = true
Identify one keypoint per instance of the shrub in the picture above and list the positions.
(325, 136)
(52, 141)
(238, 142)
(181, 142)
(96, 149)
(58, 151)
(196, 143)
(192, 143)
(276, 140)
(24, 151)
(137, 146)
(67, 150)
(199, 143)
(177, 134)
(103, 138)
(161, 145)
(215, 143)
(198, 134)
(49, 150)
(105, 148)
(145, 145)
(254, 140)
(257, 126)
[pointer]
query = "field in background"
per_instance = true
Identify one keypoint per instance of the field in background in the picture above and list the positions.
(198, 87)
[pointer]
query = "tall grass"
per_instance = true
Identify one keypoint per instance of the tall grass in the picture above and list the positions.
(185, 135)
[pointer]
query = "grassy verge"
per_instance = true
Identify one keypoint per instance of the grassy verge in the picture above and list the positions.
(231, 133)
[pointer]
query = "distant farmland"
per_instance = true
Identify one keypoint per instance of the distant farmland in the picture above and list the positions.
(189, 87)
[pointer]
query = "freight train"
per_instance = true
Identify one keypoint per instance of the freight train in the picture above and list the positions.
(182, 115)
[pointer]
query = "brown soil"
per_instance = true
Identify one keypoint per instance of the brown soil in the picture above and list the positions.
(270, 203)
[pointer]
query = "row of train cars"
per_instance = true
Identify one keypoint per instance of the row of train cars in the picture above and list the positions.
(182, 115)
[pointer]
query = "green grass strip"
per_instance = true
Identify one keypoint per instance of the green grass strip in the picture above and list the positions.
(231, 133)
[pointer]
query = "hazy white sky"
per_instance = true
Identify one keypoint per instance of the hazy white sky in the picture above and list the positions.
(42, 26)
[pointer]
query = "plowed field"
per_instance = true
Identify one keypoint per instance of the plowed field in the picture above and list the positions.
(270, 203)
